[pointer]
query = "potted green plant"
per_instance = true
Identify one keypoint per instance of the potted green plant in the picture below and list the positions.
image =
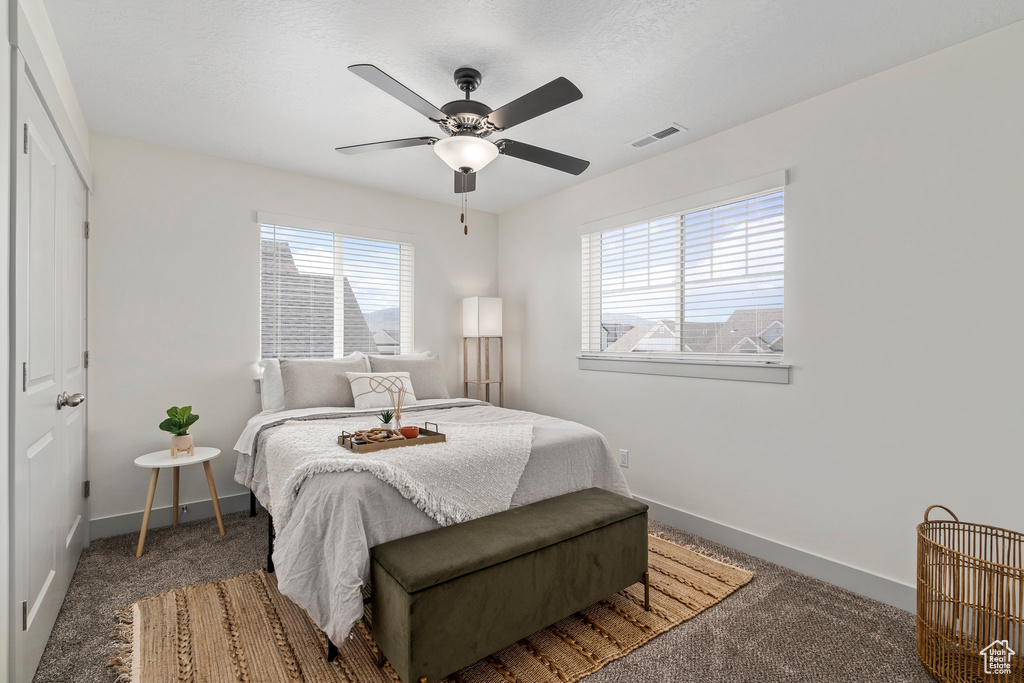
(385, 417)
(177, 423)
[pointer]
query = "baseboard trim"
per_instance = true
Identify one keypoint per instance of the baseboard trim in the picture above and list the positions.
(131, 522)
(859, 581)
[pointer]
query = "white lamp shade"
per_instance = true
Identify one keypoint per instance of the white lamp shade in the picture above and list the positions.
(466, 151)
(481, 316)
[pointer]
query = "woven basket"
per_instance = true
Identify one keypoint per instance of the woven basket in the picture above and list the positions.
(970, 594)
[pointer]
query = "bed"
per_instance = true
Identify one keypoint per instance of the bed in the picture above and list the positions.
(321, 551)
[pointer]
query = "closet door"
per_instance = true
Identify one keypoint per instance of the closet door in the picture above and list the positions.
(73, 531)
(48, 337)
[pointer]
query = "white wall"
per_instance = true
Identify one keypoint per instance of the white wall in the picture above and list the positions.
(903, 316)
(174, 297)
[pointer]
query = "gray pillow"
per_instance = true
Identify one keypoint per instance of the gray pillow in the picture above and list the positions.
(319, 383)
(424, 373)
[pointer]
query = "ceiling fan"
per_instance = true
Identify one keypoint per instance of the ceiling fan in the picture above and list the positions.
(468, 123)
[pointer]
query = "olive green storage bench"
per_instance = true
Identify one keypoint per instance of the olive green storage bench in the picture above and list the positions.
(445, 598)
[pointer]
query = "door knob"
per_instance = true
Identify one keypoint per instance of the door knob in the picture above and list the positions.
(69, 401)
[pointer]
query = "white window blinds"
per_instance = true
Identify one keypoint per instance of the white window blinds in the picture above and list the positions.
(706, 284)
(324, 295)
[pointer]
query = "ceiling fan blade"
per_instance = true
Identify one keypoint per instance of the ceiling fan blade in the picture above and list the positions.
(464, 182)
(387, 144)
(372, 74)
(555, 94)
(544, 157)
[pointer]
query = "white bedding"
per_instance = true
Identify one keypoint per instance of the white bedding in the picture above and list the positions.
(321, 553)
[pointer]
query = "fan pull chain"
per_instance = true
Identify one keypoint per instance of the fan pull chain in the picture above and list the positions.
(462, 217)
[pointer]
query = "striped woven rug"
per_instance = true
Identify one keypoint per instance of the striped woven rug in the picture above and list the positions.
(242, 629)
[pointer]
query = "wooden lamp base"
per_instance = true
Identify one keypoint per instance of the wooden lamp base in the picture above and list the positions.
(483, 379)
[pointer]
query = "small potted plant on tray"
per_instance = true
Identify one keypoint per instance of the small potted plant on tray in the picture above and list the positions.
(177, 423)
(386, 417)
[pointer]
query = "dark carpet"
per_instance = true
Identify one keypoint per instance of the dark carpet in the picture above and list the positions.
(781, 627)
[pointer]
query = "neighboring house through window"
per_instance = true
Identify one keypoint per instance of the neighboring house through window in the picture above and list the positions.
(701, 284)
(324, 294)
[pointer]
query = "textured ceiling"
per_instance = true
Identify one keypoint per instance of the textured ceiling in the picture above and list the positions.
(265, 81)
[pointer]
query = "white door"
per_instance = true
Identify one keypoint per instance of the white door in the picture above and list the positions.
(49, 336)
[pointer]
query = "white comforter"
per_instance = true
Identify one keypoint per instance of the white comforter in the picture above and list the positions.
(321, 554)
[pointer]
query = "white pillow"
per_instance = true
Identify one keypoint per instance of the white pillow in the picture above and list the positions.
(425, 373)
(272, 386)
(363, 384)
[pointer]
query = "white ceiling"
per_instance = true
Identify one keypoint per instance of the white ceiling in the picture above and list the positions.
(265, 81)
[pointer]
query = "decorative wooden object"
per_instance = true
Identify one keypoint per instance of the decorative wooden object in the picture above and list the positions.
(377, 435)
(483, 379)
(970, 600)
(365, 442)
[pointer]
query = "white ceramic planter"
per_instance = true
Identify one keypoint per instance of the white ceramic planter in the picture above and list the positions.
(181, 444)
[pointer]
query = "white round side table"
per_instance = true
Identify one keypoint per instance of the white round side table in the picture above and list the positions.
(155, 461)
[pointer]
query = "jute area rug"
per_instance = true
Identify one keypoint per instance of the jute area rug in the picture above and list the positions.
(242, 629)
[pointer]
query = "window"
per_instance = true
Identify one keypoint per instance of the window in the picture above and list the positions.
(704, 284)
(324, 295)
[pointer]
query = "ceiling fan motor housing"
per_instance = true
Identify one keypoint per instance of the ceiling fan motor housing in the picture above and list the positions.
(466, 116)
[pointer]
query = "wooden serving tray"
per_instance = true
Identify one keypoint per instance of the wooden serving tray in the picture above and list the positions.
(426, 436)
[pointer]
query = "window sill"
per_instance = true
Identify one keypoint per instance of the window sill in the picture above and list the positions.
(773, 373)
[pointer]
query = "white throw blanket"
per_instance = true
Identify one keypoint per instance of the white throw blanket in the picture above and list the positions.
(473, 474)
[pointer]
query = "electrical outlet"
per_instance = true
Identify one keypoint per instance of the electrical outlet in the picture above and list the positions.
(623, 457)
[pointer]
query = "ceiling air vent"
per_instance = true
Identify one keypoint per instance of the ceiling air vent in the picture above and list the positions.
(672, 129)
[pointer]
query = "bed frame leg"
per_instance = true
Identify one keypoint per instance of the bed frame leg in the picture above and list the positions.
(252, 504)
(270, 544)
(332, 650)
(647, 591)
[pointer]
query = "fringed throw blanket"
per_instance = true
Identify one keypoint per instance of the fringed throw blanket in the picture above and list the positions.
(473, 474)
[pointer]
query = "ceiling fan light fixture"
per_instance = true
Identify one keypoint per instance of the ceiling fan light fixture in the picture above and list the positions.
(466, 151)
